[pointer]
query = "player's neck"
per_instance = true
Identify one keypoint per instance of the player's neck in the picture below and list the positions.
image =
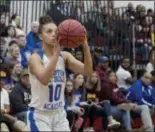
(48, 50)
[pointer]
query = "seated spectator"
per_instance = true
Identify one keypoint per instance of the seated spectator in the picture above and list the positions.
(19, 104)
(153, 79)
(152, 35)
(124, 76)
(96, 54)
(142, 93)
(2, 47)
(10, 34)
(7, 122)
(12, 124)
(25, 53)
(77, 98)
(5, 103)
(2, 23)
(72, 111)
(102, 109)
(13, 55)
(103, 67)
(15, 74)
(151, 65)
(15, 21)
(79, 55)
(120, 105)
(32, 39)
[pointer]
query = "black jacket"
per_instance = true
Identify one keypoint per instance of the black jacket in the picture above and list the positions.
(20, 97)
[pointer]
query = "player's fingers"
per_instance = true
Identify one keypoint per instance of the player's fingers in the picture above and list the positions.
(59, 38)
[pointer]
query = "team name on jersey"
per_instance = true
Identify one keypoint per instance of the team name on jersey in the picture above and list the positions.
(53, 106)
(59, 76)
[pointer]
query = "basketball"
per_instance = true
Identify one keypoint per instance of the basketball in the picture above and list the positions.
(71, 33)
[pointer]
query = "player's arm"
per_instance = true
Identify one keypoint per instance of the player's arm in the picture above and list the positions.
(77, 66)
(36, 67)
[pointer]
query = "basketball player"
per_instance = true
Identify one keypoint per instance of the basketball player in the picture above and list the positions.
(48, 79)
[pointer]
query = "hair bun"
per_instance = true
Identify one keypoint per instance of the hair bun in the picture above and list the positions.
(44, 20)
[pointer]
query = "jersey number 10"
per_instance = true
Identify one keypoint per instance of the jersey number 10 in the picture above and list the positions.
(54, 95)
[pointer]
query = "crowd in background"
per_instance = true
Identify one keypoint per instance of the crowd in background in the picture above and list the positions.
(112, 93)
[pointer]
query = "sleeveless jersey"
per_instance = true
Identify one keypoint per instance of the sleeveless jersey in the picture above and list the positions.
(50, 97)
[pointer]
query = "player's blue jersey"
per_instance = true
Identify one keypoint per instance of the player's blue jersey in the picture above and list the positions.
(50, 97)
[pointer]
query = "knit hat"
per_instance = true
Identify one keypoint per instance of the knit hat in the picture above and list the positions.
(24, 72)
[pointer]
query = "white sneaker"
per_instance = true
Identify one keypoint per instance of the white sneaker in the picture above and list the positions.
(113, 124)
(89, 129)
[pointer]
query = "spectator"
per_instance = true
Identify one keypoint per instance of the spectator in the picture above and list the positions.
(153, 35)
(150, 12)
(96, 54)
(120, 105)
(13, 55)
(78, 94)
(2, 47)
(130, 11)
(5, 103)
(124, 76)
(153, 79)
(142, 93)
(2, 23)
(15, 75)
(72, 111)
(101, 109)
(25, 53)
(19, 104)
(79, 55)
(15, 21)
(103, 67)
(151, 65)
(10, 34)
(33, 41)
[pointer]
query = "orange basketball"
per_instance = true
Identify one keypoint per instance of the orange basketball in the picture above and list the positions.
(71, 33)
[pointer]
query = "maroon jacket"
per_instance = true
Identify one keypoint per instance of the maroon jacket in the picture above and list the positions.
(112, 93)
(101, 72)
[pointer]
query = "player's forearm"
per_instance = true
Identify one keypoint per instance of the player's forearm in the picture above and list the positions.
(88, 66)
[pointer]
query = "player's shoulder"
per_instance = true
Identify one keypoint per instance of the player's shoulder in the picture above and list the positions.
(34, 57)
(66, 54)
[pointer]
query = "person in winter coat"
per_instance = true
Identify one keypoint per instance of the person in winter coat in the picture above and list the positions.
(20, 96)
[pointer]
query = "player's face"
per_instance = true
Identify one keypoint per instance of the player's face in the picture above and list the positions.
(79, 80)
(94, 78)
(113, 78)
(49, 34)
(69, 86)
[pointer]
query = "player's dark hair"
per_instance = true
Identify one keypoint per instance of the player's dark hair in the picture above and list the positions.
(43, 20)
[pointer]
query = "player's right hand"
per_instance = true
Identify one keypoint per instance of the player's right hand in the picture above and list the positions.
(57, 48)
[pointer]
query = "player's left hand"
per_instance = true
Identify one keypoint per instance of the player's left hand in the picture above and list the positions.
(85, 43)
